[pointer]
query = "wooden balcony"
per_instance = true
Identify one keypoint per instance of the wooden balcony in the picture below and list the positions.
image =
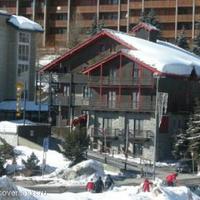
(27, 10)
(106, 81)
(160, 4)
(69, 78)
(85, 23)
(86, 9)
(145, 106)
(108, 8)
(58, 23)
(58, 9)
(60, 99)
(120, 133)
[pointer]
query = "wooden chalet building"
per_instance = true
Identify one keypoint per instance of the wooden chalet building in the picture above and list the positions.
(115, 78)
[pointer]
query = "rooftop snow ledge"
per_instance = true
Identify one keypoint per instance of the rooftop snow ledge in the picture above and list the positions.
(23, 23)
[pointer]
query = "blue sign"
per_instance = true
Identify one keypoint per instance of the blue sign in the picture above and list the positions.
(46, 144)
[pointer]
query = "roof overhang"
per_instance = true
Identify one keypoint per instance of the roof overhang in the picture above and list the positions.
(112, 57)
(81, 46)
(145, 26)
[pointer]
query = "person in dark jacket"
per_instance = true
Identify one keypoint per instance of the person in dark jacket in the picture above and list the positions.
(99, 186)
(109, 183)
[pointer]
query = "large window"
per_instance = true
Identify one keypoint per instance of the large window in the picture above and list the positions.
(135, 99)
(112, 99)
(23, 52)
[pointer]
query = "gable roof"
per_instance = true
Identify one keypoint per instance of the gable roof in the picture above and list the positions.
(113, 56)
(162, 56)
(92, 39)
(143, 25)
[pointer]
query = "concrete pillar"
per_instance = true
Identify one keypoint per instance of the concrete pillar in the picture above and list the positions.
(142, 5)
(176, 18)
(33, 9)
(68, 20)
(45, 22)
(128, 16)
(17, 7)
(119, 15)
(193, 19)
(98, 8)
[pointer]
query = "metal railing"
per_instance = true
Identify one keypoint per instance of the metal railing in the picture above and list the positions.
(114, 133)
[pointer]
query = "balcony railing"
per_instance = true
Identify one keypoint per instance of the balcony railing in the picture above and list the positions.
(68, 78)
(64, 100)
(144, 106)
(116, 133)
(95, 81)
(60, 99)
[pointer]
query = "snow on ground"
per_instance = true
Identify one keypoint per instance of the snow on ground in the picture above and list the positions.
(54, 160)
(8, 190)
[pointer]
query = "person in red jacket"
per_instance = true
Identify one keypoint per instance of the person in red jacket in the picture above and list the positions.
(90, 186)
(146, 185)
(171, 179)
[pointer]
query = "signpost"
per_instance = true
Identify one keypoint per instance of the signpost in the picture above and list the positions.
(45, 149)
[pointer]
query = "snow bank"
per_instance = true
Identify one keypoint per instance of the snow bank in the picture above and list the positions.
(54, 160)
(9, 191)
(84, 171)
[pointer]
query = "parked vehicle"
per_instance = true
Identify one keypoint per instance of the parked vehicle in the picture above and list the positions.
(185, 166)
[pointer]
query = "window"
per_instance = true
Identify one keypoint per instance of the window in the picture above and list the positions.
(135, 99)
(112, 99)
(135, 71)
(138, 149)
(86, 92)
(24, 39)
(112, 73)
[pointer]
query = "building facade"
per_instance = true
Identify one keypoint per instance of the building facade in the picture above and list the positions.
(17, 56)
(121, 83)
(58, 17)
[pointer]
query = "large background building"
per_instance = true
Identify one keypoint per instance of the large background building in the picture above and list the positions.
(59, 16)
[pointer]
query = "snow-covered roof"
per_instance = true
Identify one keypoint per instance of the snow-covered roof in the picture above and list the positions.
(162, 56)
(30, 106)
(24, 23)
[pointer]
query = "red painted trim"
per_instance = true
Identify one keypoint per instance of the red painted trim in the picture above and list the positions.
(98, 64)
(101, 83)
(120, 79)
(84, 44)
(145, 26)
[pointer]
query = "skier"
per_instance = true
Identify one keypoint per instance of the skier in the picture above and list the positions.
(171, 179)
(146, 185)
(90, 186)
(99, 186)
(109, 183)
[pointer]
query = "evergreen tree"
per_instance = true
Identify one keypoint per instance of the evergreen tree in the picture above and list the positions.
(189, 140)
(7, 152)
(196, 45)
(76, 144)
(96, 26)
(31, 163)
(182, 41)
(181, 143)
(150, 18)
(196, 41)
(193, 132)
(6, 149)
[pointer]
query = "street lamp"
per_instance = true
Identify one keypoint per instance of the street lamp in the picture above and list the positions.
(192, 154)
(157, 77)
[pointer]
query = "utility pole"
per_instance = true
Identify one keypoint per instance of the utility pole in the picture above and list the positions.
(24, 111)
(156, 76)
